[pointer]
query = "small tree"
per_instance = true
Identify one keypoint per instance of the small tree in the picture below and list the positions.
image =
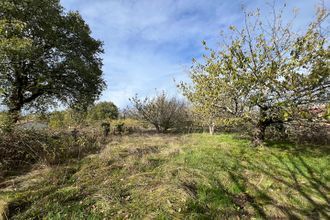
(209, 101)
(162, 112)
(47, 56)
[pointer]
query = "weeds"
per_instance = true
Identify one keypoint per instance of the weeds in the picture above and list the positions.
(173, 177)
(20, 149)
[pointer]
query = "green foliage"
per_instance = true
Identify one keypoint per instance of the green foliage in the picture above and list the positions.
(103, 111)
(119, 127)
(67, 118)
(47, 56)
(106, 128)
(128, 125)
(327, 112)
(56, 120)
(263, 73)
(6, 124)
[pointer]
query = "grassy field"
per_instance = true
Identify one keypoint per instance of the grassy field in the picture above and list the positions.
(175, 177)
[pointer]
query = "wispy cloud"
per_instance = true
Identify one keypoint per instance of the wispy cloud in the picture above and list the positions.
(148, 43)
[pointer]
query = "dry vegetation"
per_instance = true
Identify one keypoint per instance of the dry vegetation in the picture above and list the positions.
(266, 82)
(193, 176)
(20, 149)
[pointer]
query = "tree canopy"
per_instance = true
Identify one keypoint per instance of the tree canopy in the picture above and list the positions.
(263, 72)
(103, 111)
(47, 56)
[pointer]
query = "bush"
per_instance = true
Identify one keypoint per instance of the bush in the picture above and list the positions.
(103, 111)
(57, 120)
(5, 123)
(66, 119)
(309, 132)
(22, 148)
(300, 132)
(128, 125)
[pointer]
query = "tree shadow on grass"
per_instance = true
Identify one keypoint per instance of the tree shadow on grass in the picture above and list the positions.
(300, 149)
(296, 181)
(37, 200)
(268, 186)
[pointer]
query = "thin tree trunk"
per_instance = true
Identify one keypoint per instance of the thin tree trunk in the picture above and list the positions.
(14, 114)
(211, 128)
(157, 128)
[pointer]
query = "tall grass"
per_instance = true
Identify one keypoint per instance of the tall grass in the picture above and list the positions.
(174, 177)
(20, 149)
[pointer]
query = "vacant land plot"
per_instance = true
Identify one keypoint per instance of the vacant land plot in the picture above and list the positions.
(177, 176)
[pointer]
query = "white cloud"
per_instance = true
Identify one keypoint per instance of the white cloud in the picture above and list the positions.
(150, 42)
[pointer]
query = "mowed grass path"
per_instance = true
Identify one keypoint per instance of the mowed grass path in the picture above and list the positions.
(178, 177)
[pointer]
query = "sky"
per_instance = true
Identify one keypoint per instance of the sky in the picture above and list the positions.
(149, 44)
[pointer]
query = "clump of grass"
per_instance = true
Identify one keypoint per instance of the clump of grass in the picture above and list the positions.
(169, 176)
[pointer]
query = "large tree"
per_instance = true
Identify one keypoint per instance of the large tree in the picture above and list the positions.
(47, 56)
(265, 71)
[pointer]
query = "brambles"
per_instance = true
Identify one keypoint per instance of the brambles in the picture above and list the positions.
(20, 149)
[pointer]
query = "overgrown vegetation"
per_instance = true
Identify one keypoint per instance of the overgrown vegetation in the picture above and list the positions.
(95, 114)
(21, 149)
(168, 176)
(266, 86)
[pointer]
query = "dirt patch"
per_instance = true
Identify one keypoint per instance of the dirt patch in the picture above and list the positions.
(17, 206)
(242, 200)
(155, 162)
(190, 188)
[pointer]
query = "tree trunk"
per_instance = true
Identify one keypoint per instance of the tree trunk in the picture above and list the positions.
(211, 128)
(259, 135)
(14, 114)
(157, 128)
(15, 103)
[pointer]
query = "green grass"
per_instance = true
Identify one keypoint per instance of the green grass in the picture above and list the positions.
(169, 177)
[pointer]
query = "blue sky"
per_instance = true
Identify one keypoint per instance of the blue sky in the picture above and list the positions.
(149, 43)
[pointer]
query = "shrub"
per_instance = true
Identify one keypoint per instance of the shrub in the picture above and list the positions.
(22, 148)
(56, 120)
(103, 111)
(5, 122)
(301, 132)
(66, 119)
(128, 125)
(309, 132)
